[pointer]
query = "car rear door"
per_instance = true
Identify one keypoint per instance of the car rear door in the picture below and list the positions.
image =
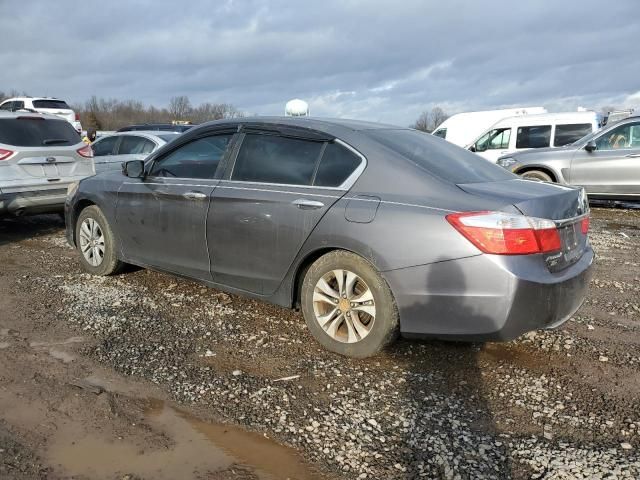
(104, 152)
(161, 218)
(614, 167)
(130, 147)
(266, 207)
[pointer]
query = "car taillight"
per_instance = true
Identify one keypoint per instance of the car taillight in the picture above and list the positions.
(86, 151)
(4, 154)
(77, 117)
(502, 233)
(584, 225)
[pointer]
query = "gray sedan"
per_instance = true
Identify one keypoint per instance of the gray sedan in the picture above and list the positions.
(110, 151)
(372, 230)
(606, 163)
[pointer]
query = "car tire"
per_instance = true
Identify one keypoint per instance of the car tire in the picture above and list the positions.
(355, 317)
(95, 243)
(537, 175)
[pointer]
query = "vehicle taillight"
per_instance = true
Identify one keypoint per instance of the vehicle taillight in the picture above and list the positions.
(502, 233)
(5, 154)
(86, 151)
(584, 225)
(77, 117)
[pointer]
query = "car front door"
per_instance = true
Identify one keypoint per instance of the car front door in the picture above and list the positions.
(162, 217)
(493, 144)
(104, 151)
(266, 207)
(613, 168)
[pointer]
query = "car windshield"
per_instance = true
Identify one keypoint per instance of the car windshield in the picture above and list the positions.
(439, 157)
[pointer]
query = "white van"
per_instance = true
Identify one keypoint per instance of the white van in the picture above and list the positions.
(519, 133)
(463, 128)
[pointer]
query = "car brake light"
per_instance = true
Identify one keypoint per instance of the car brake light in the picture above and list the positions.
(4, 154)
(584, 225)
(77, 117)
(507, 234)
(86, 151)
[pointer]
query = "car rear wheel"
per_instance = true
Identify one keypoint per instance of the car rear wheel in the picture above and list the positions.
(94, 240)
(537, 175)
(348, 306)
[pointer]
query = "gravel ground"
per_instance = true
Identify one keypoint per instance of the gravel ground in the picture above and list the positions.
(550, 405)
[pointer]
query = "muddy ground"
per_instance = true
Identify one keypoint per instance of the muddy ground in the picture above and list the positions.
(143, 375)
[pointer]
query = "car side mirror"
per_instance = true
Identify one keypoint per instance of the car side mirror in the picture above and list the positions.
(472, 148)
(591, 146)
(133, 169)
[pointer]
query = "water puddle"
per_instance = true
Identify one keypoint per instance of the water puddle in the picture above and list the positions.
(198, 449)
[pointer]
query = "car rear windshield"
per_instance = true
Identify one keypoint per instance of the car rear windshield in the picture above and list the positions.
(59, 104)
(439, 157)
(37, 132)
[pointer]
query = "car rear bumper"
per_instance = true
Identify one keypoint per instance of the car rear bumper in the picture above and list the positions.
(32, 202)
(487, 297)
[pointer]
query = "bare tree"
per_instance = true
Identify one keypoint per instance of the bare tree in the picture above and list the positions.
(179, 107)
(428, 121)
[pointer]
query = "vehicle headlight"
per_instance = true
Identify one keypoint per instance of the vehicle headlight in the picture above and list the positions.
(71, 188)
(506, 162)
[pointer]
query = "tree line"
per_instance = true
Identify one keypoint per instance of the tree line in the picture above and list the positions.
(111, 113)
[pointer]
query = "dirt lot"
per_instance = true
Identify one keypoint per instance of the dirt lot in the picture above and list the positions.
(143, 375)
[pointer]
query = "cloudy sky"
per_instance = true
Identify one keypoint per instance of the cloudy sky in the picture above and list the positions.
(374, 60)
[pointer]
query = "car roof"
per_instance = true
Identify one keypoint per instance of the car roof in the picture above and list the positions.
(5, 114)
(156, 134)
(545, 118)
(33, 98)
(313, 123)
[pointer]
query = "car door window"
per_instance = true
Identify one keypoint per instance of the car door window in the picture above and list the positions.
(622, 137)
(496, 139)
(197, 159)
(6, 106)
(104, 146)
(133, 145)
(275, 159)
(569, 133)
(18, 105)
(336, 165)
(538, 136)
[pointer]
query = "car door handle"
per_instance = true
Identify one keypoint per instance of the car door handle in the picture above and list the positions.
(304, 204)
(633, 155)
(195, 195)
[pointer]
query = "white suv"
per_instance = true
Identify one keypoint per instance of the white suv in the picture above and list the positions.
(41, 156)
(53, 106)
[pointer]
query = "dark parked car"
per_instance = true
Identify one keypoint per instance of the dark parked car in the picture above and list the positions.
(372, 230)
(164, 127)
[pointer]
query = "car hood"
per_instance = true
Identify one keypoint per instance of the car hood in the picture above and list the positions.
(532, 198)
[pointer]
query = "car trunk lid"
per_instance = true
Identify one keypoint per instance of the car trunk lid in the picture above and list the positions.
(566, 206)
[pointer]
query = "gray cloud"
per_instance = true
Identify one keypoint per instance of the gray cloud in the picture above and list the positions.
(373, 60)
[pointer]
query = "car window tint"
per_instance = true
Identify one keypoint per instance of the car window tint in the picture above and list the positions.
(624, 136)
(58, 104)
(36, 131)
(133, 145)
(104, 146)
(197, 159)
(442, 159)
(18, 105)
(569, 133)
(336, 165)
(274, 159)
(538, 136)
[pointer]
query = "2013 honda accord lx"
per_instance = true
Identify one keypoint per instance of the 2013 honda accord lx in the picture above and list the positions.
(372, 230)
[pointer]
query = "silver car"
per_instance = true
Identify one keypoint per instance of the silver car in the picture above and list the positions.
(112, 150)
(606, 163)
(373, 230)
(40, 155)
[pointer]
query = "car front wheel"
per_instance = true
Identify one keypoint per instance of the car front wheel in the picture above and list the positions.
(95, 242)
(348, 306)
(537, 175)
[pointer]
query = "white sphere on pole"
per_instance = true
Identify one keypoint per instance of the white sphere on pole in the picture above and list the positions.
(296, 108)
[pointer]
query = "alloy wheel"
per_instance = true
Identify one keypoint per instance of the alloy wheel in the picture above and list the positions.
(92, 242)
(344, 306)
